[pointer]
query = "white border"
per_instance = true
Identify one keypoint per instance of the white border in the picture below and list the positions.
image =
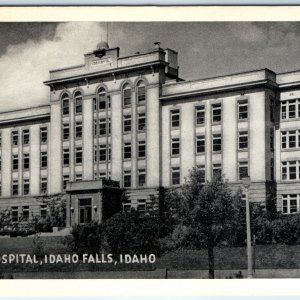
(149, 288)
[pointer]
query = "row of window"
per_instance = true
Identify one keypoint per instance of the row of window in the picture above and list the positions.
(26, 136)
(290, 109)
(140, 207)
(66, 130)
(78, 156)
(290, 170)
(102, 153)
(102, 126)
(216, 114)
(15, 186)
(26, 161)
(290, 139)
(102, 101)
(141, 178)
(22, 214)
(216, 143)
(290, 203)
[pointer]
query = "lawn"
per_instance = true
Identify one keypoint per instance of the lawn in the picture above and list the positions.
(266, 257)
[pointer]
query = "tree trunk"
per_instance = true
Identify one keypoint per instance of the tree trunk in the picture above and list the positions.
(211, 262)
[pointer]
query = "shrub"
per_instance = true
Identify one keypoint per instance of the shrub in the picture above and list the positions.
(133, 233)
(86, 238)
(38, 247)
(182, 237)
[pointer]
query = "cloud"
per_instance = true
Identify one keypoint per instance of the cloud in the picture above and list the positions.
(25, 66)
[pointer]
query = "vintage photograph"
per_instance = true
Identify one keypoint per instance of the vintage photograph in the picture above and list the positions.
(163, 150)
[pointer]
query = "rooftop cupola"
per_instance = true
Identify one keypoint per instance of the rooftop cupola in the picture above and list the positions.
(101, 49)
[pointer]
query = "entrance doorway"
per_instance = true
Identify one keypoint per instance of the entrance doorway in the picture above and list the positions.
(85, 211)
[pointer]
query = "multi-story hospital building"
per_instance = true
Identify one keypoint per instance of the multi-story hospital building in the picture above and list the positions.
(134, 120)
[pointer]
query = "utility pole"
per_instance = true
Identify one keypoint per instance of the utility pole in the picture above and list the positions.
(246, 183)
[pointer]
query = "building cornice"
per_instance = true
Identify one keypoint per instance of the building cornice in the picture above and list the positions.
(227, 88)
(106, 72)
(45, 117)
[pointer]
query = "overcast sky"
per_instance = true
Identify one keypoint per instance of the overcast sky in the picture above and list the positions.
(29, 50)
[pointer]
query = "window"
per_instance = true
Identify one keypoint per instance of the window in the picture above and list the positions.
(44, 185)
(15, 138)
(15, 162)
(95, 154)
(78, 103)
(108, 101)
(272, 169)
(15, 214)
(102, 99)
(243, 110)
(126, 96)
(290, 109)
(78, 130)
(216, 113)
(290, 203)
(102, 175)
(66, 156)
(126, 205)
(175, 118)
(26, 161)
(201, 170)
(142, 122)
(217, 170)
(200, 144)
(109, 152)
(65, 104)
(25, 213)
(0, 139)
(26, 187)
(243, 140)
(109, 125)
(141, 177)
(271, 139)
(200, 115)
(175, 176)
(78, 177)
(102, 153)
(141, 207)
(43, 211)
(15, 188)
(0, 163)
(95, 127)
(141, 93)
(44, 135)
(66, 179)
(127, 151)
(290, 139)
(217, 142)
(141, 149)
(78, 155)
(44, 160)
(66, 131)
(175, 146)
(102, 126)
(127, 178)
(290, 170)
(272, 109)
(25, 136)
(243, 169)
(127, 123)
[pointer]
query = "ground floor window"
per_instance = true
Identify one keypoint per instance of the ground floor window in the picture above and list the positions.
(25, 213)
(15, 214)
(290, 203)
(141, 205)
